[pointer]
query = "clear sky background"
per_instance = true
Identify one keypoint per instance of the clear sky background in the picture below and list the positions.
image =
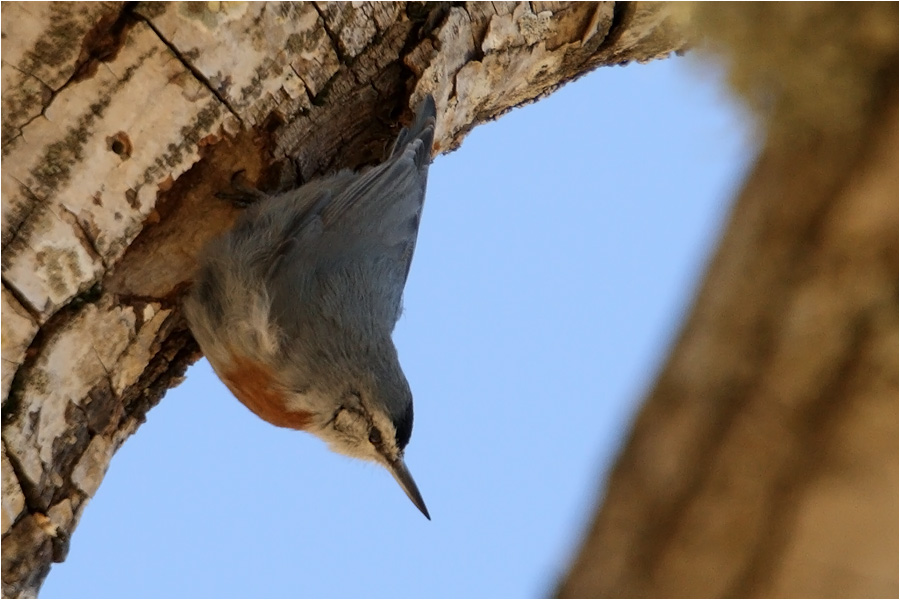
(559, 250)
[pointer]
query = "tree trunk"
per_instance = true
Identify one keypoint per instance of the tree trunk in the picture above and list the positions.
(121, 121)
(764, 461)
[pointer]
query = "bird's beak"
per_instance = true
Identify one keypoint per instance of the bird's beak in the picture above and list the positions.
(401, 474)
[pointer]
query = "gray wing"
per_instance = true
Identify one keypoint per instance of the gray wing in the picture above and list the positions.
(384, 204)
(400, 180)
(351, 219)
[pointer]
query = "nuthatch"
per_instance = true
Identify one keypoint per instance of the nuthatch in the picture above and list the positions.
(295, 306)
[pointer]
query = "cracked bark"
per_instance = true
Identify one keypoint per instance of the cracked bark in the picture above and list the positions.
(120, 122)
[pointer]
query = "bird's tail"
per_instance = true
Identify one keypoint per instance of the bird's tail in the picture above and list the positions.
(421, 129)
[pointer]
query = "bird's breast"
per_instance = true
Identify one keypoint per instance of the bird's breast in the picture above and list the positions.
(256, 386)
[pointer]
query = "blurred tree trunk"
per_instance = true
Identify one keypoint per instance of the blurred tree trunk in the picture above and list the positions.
(764, 461)
(121, 120)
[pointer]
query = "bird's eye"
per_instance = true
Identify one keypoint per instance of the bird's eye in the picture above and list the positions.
(375, 437)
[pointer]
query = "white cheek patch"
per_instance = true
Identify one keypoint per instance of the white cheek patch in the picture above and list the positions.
(351, 424)
(348, 434)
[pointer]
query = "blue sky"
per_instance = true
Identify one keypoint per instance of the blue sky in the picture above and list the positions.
(559, 250)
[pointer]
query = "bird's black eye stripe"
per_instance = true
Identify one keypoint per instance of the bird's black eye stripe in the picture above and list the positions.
(375, 437)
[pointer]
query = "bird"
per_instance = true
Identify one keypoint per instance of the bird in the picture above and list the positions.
(295, 306)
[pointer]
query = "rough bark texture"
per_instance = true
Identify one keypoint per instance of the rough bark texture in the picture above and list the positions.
(764, 461)
(121, 120)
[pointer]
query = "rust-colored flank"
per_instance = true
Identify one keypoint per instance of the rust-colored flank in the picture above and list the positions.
(253, 384)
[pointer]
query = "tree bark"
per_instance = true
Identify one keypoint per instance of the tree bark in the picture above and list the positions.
(764, 462)
(121, 121)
